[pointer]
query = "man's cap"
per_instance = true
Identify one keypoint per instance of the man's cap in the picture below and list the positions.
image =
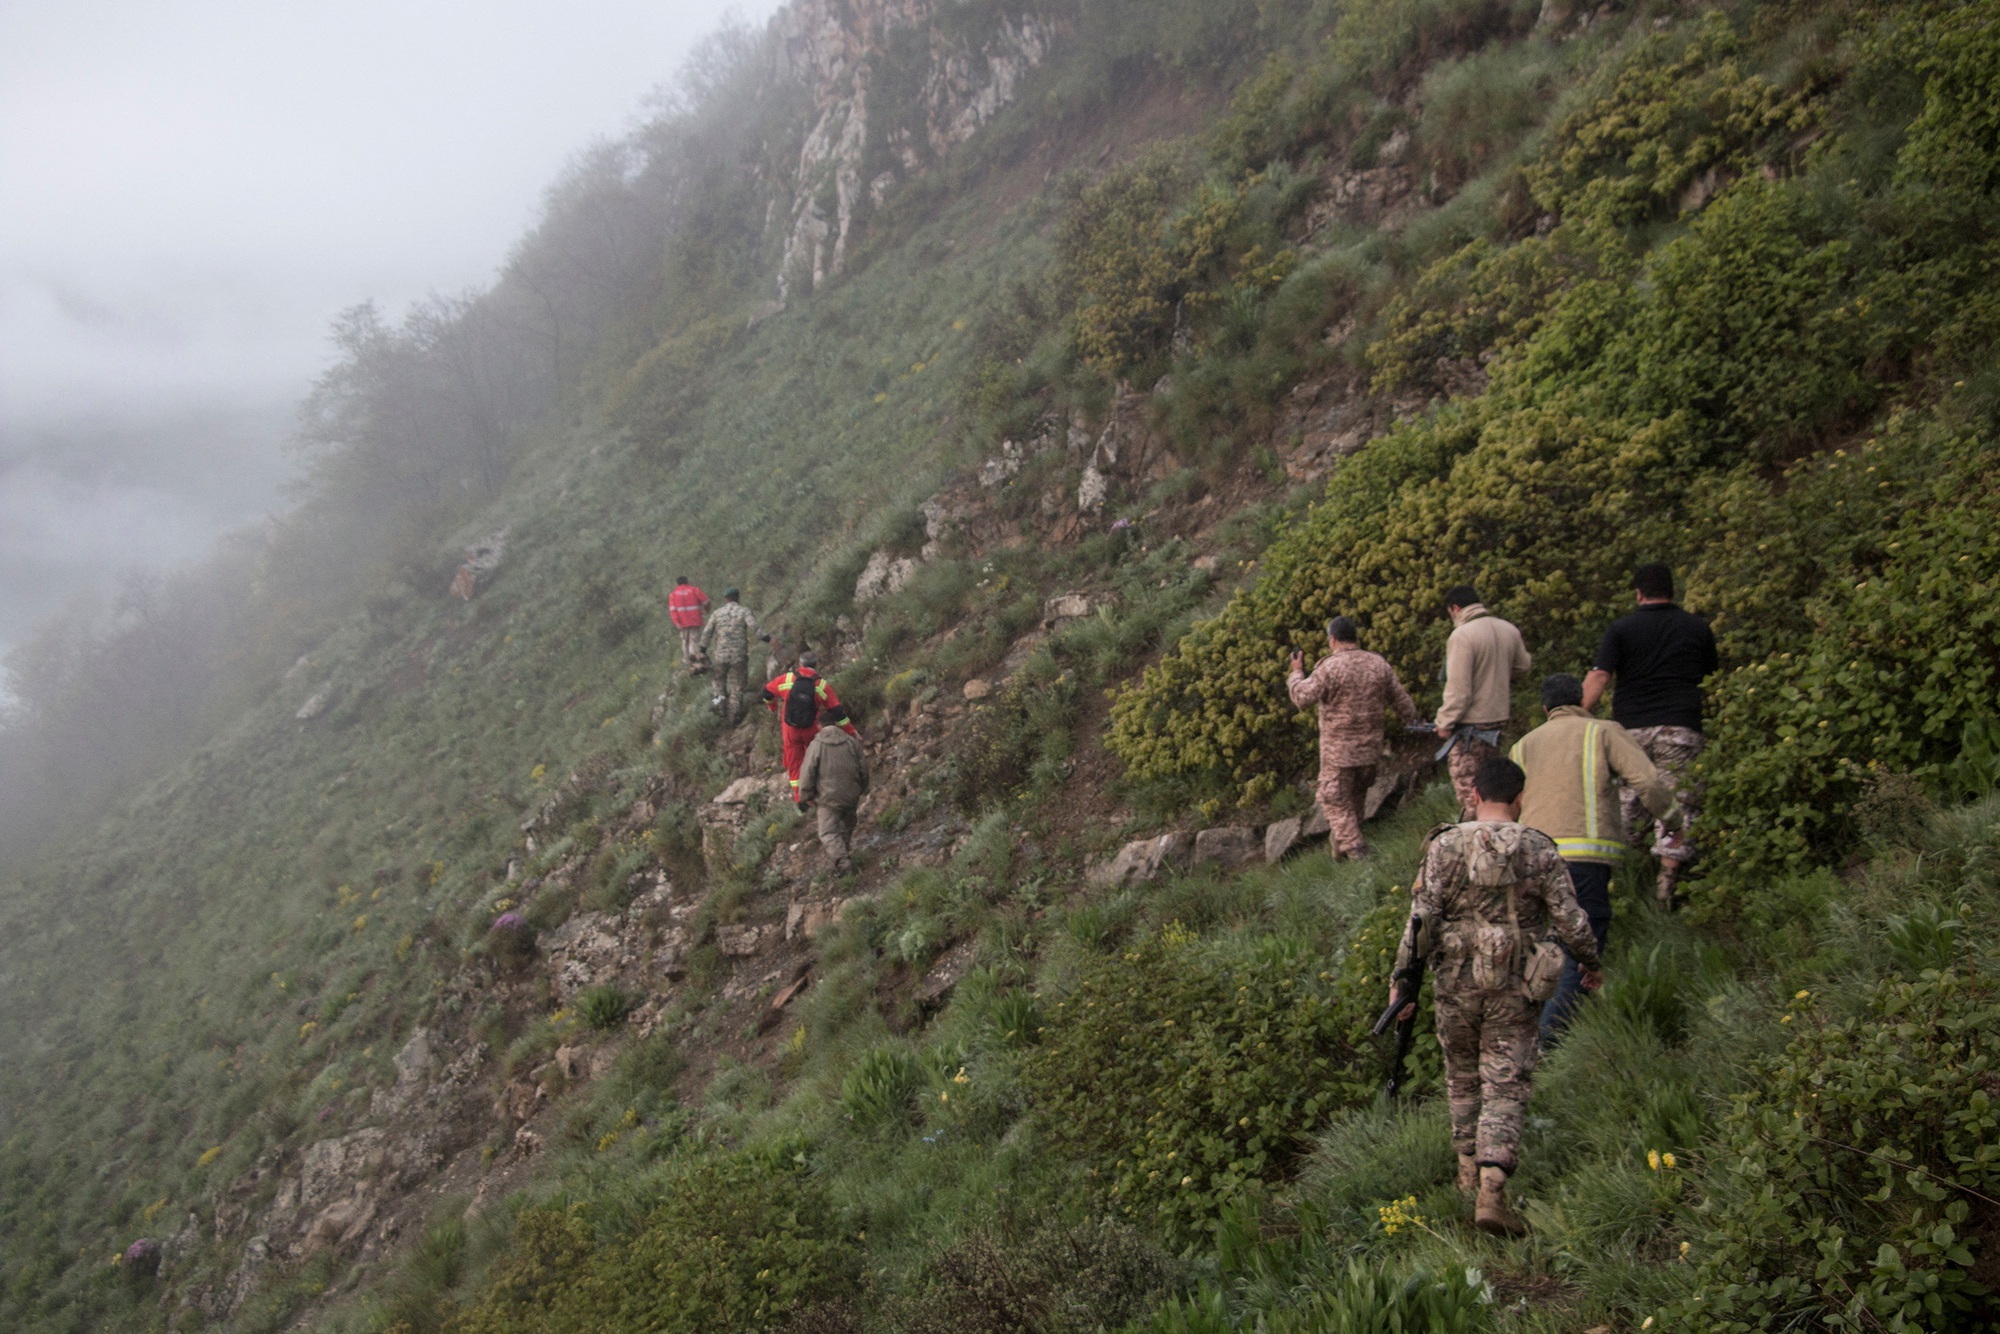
(836, 713)
(731, 593)
(808, 660)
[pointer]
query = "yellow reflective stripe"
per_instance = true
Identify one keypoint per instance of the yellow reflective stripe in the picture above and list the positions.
(1589, 847)
(1590, 828)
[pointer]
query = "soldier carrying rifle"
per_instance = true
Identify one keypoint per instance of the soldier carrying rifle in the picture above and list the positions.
(1487, 914)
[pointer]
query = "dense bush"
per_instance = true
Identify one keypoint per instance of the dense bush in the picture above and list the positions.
(1186, 1073)
(1056, 1280)
(734, 1244)
(1636, 410)
(1853, 1186)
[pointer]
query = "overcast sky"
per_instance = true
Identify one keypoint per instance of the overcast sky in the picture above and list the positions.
(191, 189)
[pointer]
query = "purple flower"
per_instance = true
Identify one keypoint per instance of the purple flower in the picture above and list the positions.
(1121, 525)
(143, 1251)
(510, 921)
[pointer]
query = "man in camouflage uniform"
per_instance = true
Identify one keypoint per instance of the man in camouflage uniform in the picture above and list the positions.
(1492, 900)
(1353, 689)
(726, 642)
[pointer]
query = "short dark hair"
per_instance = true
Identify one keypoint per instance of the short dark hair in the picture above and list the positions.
(1344, 630)
(1499, 779)
(730, 595)
(835, 713)
(1460, 595)
(679, 580)
(808, 660)
(1561, 690)
(1653, 581)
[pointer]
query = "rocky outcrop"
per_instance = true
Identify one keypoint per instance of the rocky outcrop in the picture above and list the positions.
(1145, 860)
(859, 146)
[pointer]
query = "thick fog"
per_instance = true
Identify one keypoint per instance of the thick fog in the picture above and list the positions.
(189, 191)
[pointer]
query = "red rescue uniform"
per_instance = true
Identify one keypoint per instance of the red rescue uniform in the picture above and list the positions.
(797, 739)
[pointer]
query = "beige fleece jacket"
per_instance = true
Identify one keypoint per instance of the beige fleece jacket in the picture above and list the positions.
(1574, 762)
(1480, 660)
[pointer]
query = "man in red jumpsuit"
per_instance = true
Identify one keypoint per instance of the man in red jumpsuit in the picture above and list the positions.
(797, 697)
(685, 608)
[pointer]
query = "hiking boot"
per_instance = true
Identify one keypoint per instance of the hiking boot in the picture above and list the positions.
(1491, 1214)
(1468, 1176)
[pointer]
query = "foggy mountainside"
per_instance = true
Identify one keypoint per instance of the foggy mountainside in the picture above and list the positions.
(394, 939)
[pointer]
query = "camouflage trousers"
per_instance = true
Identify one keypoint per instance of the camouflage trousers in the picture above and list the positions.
(1489, 1040)
(730, 682)
(836, 831)
(1463, 763)
(1341, 794)
(690, 643)
(1672, 751)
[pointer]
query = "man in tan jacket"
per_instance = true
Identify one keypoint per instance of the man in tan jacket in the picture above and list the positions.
(1480, 660)
(1574, 763)
(835, 775)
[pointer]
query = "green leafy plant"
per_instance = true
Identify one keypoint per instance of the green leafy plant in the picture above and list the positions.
(1842, 1185)
(735, 1242)
(1186, 1074)
(603, 1007)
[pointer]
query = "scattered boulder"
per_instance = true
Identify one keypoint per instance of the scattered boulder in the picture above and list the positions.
(1228, 846)
(740, 940)
(1280, 838)
(1065, 607)
(806, 920)
(977, 688)
(1385, 793)
(1290, 835)
(944, 975)
(315, 703)
(884, 574)
(1145, 860)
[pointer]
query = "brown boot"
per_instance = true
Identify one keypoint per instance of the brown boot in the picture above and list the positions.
(1468, 1176)
(1492, 1214)
(1663, 890)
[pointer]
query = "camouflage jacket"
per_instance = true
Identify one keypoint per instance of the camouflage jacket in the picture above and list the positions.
(727, 636)
(1490, 893)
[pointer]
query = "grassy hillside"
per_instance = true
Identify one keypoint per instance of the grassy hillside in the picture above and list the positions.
(1633, 283)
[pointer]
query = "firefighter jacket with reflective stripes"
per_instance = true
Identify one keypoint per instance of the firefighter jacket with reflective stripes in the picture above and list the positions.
(684, 606)
(1574, 764)
(780, 689)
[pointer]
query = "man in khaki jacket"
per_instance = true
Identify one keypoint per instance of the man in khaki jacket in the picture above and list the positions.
(1480, 660)
(1574, 763)
(835, 775)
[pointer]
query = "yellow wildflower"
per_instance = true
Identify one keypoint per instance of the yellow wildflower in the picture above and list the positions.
(1653, 1159)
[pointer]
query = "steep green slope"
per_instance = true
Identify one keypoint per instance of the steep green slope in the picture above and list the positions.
(1713, 286)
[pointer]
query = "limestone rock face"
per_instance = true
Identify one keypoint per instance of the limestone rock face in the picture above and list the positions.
(831, 49)
(884, 574)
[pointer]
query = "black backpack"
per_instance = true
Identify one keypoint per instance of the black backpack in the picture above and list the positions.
(802, 701)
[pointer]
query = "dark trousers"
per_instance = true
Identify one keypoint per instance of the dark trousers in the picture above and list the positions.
(1592, 882)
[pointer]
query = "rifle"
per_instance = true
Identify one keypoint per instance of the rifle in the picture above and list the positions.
(1491, 736)
(1408, 984)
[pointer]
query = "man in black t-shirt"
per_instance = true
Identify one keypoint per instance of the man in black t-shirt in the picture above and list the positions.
(1659, 656)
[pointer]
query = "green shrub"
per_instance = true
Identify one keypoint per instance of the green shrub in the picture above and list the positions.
(734, 1243)
(1057, 1280)
(1187, 1073)
(1841, 1186)
(603, 1007)
(881, 1089)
